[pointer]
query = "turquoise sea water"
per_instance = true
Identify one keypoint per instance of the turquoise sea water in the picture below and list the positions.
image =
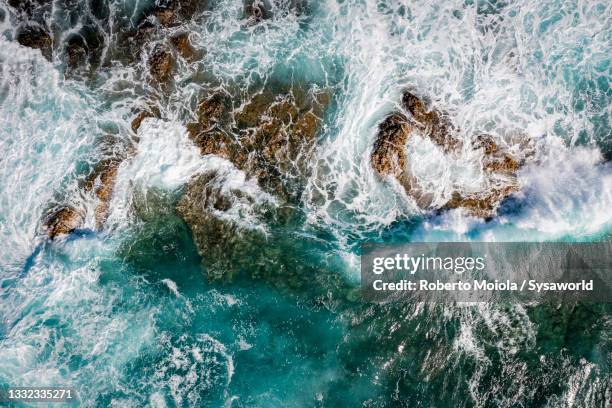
(130, 315)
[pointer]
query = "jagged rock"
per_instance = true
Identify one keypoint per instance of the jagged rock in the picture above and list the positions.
(144, 32)
(270, 137)
(388, 158)
(160, 64)
(172, 12)
(218, 240)
(183, 46)
(94, 41)
(431, 122)
(207, 133)
(62, 220)
(142, 115)
(101, 182)
(35, 36)
(29, 6)
(76, 51)
(496, 159)
(255, 10)
(483, 204)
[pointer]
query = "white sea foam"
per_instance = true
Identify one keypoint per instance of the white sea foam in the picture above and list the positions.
(502, 73)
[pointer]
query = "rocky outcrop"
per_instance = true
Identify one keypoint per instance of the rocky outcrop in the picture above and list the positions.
(62, 220)
(255, 10)
(76, 51)
(160, 64)
(142, 115)
(270, 137)
(173, 12)
(101, 182)
(388, 157)
(431, 122)
(35, 36)
(183, 46)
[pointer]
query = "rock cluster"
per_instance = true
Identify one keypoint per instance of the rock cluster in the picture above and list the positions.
(388, 157)
(36, 36)
(270, 137)
(62, 220)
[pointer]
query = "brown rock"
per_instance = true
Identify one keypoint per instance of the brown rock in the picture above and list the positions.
(219, 241)
(388, 156)
(183, 46)
(483, 204)
(35, 36)
(433, 123)
(270, 137)
(255, 11)
(496, 160)
(76, 52)
(62, 220)
(102, 182)
(207, 133)
(160, 64)
(137, 121)
(145, 31)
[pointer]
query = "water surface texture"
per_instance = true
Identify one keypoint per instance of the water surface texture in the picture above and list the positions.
(230, 276)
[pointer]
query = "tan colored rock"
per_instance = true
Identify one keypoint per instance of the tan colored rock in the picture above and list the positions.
(102, 182)
(483, 204)
(389, 158)
(142, 115)
(270, 137)
(431, 122)
(496, 159)
(62, 220)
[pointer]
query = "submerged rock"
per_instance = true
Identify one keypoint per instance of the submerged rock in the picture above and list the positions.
(219, 240)
(62, 220)
(160, 64)
(142, 115)
(388, 158)
(270, 137)
(76, 51)
(183, 46)
(30, 7)
(172, 12)
(35, 36)
(256, 11)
